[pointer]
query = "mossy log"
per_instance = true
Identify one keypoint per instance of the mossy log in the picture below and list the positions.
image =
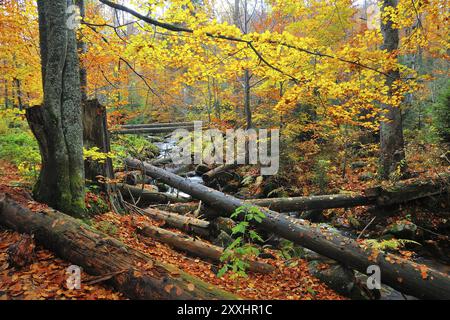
(401, 274)
(197, 247)
(142, 278)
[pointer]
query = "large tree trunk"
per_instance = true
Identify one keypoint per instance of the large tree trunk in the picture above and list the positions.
(391, 130)
(397, 272)
(95, 134)
(139, 276)
(197, 247)
(57, 124)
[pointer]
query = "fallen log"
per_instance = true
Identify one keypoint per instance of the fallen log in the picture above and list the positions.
(180, 170)
(188, 208)
(184, 223)
(403, 192)
(150, 130)
(98, 254)
(157, 125)
(401, 274)
(197, 247)
(211, 174)
(161, 161)
(148, 197)
(180, 208)
(380, 196)
(313, 202)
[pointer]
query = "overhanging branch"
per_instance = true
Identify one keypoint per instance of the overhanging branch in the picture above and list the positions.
(176, 28)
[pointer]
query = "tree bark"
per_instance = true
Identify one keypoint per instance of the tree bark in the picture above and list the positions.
(138, 275)
(404, 192)
(313, 202)
(210, 175)
(190, 207)
(197, 247)
(57, 124)
(147, 197)
(186, 224)
(95, 134)
(399, 273)
(391, 130)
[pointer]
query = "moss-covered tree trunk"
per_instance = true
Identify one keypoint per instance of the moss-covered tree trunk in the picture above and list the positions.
(391, 130)
(57, 124)
(135, 274)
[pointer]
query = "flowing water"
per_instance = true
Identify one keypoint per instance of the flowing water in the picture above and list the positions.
(165, 148)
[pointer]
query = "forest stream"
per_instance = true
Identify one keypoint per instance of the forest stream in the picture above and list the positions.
(167, 145)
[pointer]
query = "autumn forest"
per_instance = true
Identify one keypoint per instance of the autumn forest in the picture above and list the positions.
(253, 150)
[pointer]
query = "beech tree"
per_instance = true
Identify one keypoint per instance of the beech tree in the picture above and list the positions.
(392, 153)
(57, 123)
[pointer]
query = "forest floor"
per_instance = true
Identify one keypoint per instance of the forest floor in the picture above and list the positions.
(46, 277)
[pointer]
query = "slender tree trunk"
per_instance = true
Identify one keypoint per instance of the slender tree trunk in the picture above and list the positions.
(57, 124)
(6, 95)
(391, 130)
(247, 104)
(19, 93)
(244, 26)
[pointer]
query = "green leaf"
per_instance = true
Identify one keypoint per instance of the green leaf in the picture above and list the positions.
(240, 228)
(258, 219)
(255, 236)
(311, 290)
(222, 271)
(234, 243)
